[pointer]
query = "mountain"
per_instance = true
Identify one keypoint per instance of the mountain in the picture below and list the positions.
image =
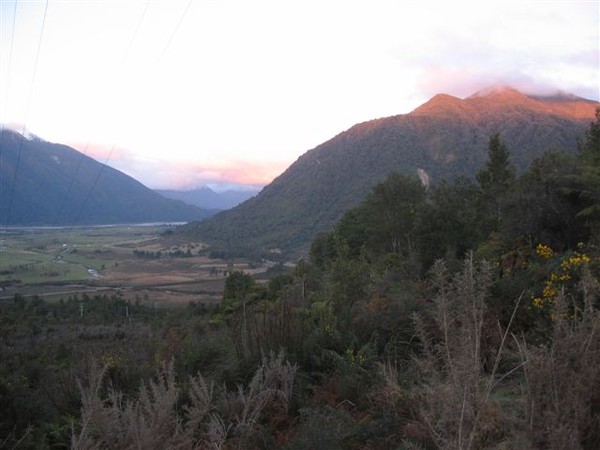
(443, 138)
(206, 198)
(57, 185)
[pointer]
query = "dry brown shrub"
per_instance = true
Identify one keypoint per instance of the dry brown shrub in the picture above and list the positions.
(213, 419)
(454, 391)
(562, 379)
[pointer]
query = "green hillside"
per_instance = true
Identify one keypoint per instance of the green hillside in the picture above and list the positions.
(446, 137)
(50, 184)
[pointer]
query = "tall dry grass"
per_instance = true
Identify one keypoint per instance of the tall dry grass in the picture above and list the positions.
(454, 392)
(561, 383)
(474, 392)
(212, 418)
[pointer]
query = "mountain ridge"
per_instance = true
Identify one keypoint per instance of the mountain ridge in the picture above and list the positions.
(446, 137)
(206, 198)
(43, 183)
(560, 103)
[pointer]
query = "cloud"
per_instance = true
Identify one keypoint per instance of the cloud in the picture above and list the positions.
(255, 84)
(463, 82)
(177, 174)
(537, 48)
(185, 175)
(103, 153)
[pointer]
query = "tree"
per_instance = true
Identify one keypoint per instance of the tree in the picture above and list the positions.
(497, 177)
(392, 212)
(323, 251)
(238, 286)
(587, 184)
(236, 295)
(544, 204)
(590, 149)
(452, 224)
(351, 279)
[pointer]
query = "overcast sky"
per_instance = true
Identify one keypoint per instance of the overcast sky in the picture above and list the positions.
(185, 93)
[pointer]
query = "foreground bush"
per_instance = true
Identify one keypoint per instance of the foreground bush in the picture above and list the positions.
(561, 383)
(165, 416)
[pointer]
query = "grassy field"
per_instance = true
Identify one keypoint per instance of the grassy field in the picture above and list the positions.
(136, 261)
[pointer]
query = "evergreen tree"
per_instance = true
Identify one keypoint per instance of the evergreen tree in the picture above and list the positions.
(497, 177)
(544, 203)
(451, 225)
(590, 149)
(587, 184)
(393, 212)
(238, 287)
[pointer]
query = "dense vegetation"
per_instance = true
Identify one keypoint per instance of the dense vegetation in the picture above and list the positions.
(445, 138)
(463, 315)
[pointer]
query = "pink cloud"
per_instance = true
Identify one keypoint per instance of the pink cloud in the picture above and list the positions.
(183, 175)
(104, 153)
(160, 174)
(463, 82)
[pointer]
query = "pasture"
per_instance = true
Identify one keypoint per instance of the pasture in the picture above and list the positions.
(142, 263)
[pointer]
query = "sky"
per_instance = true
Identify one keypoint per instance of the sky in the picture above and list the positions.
(228, 93)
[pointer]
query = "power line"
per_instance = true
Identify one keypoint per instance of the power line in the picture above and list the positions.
(73, 178)
(135, 33)
(89, 194)
(12, 43)
(83, 154)
(165, 49)
(174, 32)
(123, 60)
(120, 68)
(37, 56)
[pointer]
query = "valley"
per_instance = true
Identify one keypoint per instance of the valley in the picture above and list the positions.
(140, 262)
(393, 330)
(268, 225)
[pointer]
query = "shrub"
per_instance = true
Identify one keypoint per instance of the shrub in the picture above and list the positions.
(454, 391)
(561, 386)
(210, 417)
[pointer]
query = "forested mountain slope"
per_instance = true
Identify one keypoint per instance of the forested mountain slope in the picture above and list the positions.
(445, 137)
(57, 185)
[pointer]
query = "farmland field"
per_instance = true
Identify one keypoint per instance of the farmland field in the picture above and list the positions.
(140, 262)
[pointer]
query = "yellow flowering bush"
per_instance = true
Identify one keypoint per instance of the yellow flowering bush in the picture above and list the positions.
(568, 271)
(355, 357)
(575, 260)
(110, 361)
(544, 251)
(550, 290)
(538, 302)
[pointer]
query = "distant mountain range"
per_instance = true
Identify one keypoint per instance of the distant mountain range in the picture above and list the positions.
(206, 198)
(444, 138)
(51, 184)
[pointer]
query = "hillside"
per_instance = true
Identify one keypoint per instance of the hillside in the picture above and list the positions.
(446, 137)
(57, 185)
